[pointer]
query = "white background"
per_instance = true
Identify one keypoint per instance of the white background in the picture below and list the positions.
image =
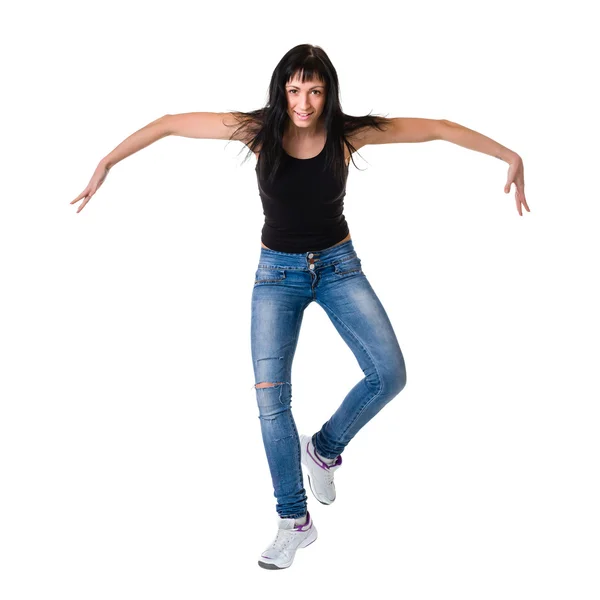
(131, 460)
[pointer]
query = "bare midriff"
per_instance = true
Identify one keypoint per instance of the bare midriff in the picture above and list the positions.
(344, 240)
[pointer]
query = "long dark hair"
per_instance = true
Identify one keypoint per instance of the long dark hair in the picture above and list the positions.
(264, 128)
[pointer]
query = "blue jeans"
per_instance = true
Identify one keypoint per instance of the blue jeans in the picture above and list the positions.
(285, 284)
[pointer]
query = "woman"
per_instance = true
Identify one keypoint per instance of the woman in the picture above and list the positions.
(303, 143)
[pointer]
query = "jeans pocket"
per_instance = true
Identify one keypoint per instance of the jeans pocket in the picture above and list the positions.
(267, 274)
(346, 267)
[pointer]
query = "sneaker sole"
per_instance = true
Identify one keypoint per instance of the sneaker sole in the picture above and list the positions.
(273, 567)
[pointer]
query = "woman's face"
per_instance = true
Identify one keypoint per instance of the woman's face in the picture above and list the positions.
(305, 98)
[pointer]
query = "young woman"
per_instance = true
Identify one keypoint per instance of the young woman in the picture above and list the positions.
(303, 143)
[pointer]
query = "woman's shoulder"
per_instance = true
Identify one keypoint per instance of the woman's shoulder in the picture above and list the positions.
(247, 125)
(361, 131)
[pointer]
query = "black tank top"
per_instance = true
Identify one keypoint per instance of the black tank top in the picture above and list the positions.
(303, 207)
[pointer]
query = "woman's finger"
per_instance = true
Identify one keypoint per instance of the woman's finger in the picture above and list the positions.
(521, 189)
(87, 199)
(83, 194)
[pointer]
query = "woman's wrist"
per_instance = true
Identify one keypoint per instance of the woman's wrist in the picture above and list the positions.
(106, 163)
(512, 157)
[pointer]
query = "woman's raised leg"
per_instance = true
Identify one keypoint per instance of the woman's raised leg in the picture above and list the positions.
(358, 315)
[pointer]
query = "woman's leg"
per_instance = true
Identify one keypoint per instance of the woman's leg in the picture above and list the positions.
(278, 305)
(355, 310)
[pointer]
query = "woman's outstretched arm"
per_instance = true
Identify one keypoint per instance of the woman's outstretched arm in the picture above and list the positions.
(207, 125)
(408, 130)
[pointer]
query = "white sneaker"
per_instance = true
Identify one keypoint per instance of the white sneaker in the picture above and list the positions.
(320, 474)
(280, 554)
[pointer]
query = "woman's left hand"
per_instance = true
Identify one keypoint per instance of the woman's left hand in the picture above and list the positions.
(517, 176)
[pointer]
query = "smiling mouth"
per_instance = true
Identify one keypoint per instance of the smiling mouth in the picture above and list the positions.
(305, 115)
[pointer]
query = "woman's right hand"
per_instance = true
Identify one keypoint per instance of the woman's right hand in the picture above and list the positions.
(95, 182)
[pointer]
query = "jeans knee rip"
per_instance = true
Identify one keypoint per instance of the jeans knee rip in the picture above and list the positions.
(270, 358)
(265, 394)
(268, 384)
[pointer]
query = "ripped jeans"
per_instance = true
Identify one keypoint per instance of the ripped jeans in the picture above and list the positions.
(285, 284)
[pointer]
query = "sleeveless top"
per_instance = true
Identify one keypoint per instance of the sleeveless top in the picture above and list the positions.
(303, 207)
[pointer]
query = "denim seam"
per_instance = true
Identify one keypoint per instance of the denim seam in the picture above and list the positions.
(322, 263)
(342, 273)
(341, 260)
(370, 400)
(264, 266)
(256, 281)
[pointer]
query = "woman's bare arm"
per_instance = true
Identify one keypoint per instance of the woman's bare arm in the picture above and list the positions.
(136, 141)
(424, 130)
(207, 125)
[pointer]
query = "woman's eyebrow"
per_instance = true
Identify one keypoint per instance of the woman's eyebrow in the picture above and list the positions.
(312, 88)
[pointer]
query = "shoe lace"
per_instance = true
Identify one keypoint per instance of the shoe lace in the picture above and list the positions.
(329, 475)
(282, 539)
